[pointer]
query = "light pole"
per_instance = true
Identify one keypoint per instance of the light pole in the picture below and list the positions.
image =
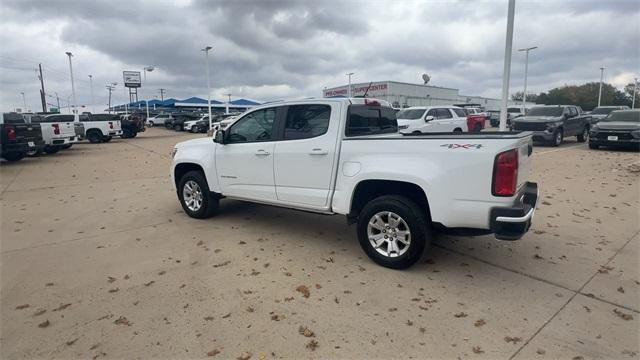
(24, 102)
(526, 69)
(93, 109)
(507, 65)
(349, 88)
(73, 87)
(600, 91)
(149, 69)
(635, 86)
(206, 52)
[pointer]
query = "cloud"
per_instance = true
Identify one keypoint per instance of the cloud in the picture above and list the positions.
(285, 48)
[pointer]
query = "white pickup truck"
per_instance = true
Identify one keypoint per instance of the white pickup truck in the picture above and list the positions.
(100, 127)
(345, 156)
(58, 132)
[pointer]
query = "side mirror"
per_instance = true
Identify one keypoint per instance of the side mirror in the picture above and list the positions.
(219, 137)
(429, 118)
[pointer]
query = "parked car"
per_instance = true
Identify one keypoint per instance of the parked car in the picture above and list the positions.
(159, 120)
(621, 128)
(345, 156)
(101, 127)
(424, 119)
(476, 119)
(553, 123)
(602, 111)
(131, 125)
(58, 132)
(17, 137)
(179, 119)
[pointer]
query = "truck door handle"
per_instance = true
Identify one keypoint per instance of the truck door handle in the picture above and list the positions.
(262, 152)
(318, 151)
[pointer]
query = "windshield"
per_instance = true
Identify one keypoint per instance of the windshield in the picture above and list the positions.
(602, 111)
(624, 115)
(513, 110)
(410, 114)
(545, 111)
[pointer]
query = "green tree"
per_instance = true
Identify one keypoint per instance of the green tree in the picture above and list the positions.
(585, 96)
(517, 96)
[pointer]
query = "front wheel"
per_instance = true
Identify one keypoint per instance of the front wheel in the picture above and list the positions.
(94, 136)
(394, 231)
(150, 124)
(557, 137)
(177, 128)
(195, 197)
(457, 131)
(584, 135)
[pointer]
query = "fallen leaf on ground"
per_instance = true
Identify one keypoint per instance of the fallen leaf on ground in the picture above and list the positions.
(623, 315)
(23, 306)
(44, 324)
(71, 342)
(479, 322)
(303, 290)
(62, 307)
(213, 352)
(303, 330)
(39, 312)
(312, 345)
(514, 340)
(245, 356)
(460, 315)
(122, 321)
(477, 350)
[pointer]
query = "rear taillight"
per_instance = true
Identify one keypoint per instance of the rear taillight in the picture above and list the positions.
(11, 133)
(56, 129)
(505, 173)
(110, 125)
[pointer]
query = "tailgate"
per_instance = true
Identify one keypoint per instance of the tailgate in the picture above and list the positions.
(525, 152)
(67, 130)
(27, 132)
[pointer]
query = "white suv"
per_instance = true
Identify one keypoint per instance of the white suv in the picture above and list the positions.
(158, 120)
(426, 119)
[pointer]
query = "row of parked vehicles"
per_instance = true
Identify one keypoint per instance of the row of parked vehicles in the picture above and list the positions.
(192, 122)
(24, 135)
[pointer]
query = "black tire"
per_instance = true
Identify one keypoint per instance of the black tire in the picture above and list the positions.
(126, 134)
(51, 149)
(150, 124)
(593, 146)
(107, 138)
(477, 128)
(417, 133)
(14, 156)
(584, 135)
(35, 152)
(415, 219)
(558, 136)
(210, 201)
(177, 127)
(457, 130)
(94, 136)
(66, 146)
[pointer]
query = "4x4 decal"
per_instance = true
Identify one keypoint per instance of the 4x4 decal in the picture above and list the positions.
(463, 146)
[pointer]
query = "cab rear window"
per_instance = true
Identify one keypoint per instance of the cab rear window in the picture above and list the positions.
(370, 120)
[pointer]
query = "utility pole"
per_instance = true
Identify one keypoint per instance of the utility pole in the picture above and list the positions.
(635, 86)
(93, 109)
(73, 87)
(600, 91)
(507, 65)
(24, 102)
(526, 69)
(349, 88)
(228, 103)
(162, 94)
(206, 52)
(44, 103)
(110, 87)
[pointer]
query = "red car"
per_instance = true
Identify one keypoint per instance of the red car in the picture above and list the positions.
(475, 119)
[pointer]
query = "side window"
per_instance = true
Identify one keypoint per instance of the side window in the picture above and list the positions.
(574, 111)
(460, 112)
(254, 127)
(433, 112)
(306, 121)
(444, 114)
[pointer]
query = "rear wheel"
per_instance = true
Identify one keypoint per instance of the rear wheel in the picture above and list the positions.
(94, 136)
(177, 127)
(457, 130)
(584, 135)
(34, 152)
(394, 231)
(50, 149)
(195, 197)
(14, 156)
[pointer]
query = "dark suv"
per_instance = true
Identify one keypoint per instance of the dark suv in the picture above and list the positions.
(553, 123)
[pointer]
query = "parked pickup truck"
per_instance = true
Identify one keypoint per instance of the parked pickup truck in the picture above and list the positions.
(553, 123)
(17, 137)
(58, 131)
(101, 127)
(345, 156)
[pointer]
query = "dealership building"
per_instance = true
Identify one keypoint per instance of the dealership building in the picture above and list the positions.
(402, 95)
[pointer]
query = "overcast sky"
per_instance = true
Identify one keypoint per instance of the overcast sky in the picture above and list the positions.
(287, 49)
